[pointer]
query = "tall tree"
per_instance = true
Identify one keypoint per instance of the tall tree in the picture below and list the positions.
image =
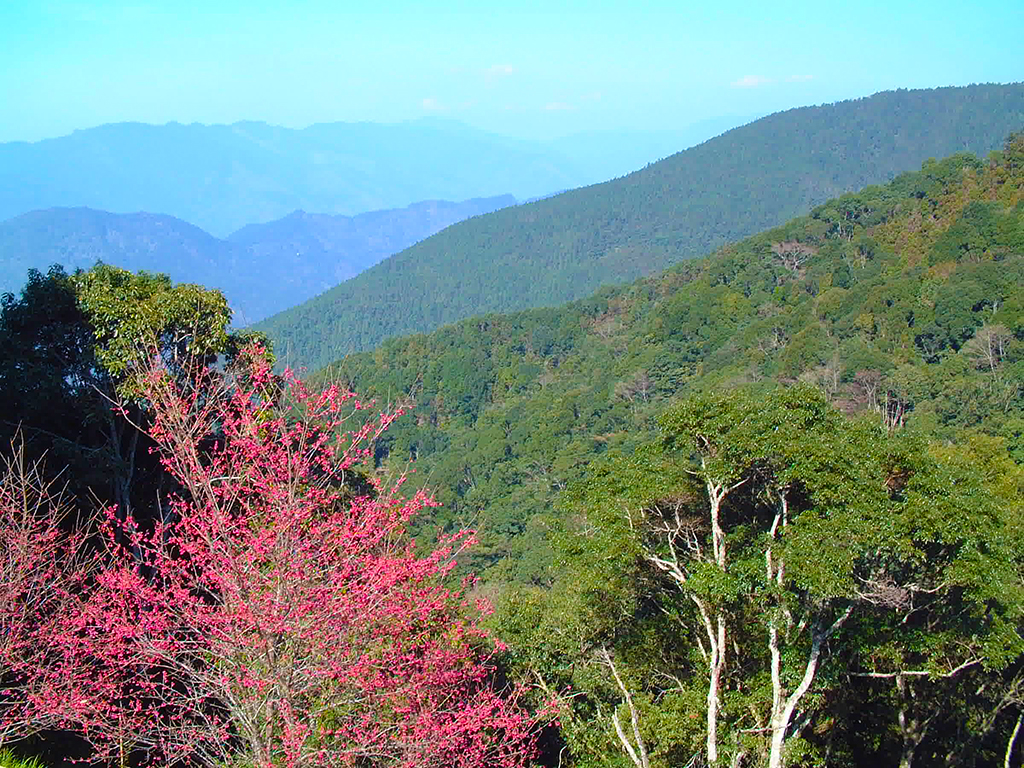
(67, 347)
(282, 619)
(799, 556)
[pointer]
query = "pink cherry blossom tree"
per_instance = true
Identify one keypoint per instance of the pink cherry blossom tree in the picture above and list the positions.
(276, 615)
(42, 567)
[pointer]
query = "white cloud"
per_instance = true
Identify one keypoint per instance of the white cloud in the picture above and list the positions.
(558, 106)
(496, 72)
(799, 78)
(431, 105)
(751, 81)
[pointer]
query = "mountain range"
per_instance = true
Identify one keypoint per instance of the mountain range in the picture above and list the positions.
(262, 268)
(222, 177)
(564, 247)
(903, 302)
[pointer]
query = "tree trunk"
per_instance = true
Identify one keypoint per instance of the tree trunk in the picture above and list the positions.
(1012, 742)
(716, 631)
(638, 754)
(717, 665)
(714, 621)
(783, 708)
(119, 428)
(912, 728)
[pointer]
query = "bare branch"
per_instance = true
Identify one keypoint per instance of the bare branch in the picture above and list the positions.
(638, 755)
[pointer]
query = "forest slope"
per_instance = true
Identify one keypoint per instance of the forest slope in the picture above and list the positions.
(904, 301)
(564, 247)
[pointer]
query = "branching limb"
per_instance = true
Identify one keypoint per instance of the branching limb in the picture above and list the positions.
(639, 754)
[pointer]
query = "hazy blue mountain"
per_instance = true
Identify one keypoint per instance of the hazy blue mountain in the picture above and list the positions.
(304, 254)
(79, 237)
(564, 247)
(262, 268)
(222, 177)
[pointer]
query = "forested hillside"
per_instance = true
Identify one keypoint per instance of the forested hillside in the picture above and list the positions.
(567, 246)
(904, 301)
(79, 237)
(305, 254)
(762, 509)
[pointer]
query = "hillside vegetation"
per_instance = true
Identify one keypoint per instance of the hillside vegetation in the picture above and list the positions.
(904, 301)
(565, 247)
(765, 505)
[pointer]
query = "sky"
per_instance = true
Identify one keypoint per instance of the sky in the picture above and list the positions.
(522, 68)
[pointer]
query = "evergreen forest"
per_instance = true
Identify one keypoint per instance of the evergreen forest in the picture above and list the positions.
(565, 247)
(865, 358)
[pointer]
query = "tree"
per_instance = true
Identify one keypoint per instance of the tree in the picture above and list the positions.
(945, 640)
(761, 536)
(42, 564)
(277, 613)
(987, 349)
(771, 468)
(67, 346)
(131, 315)
(47, 374)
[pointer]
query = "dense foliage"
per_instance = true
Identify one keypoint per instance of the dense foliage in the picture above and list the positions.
(762, 509)
(903, 301)
(770, 583)
(66, 343)
(273, 614)
(565, 247)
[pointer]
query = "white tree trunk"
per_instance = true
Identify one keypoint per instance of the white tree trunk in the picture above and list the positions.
(1013, 740)
(716, 630)
(638, 754)
(714, 621)
(784, 707)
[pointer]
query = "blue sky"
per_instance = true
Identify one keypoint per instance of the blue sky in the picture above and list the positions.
(524, 68)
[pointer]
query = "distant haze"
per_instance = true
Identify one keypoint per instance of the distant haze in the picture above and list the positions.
(222, 177)
(530, 68)
(262, 268)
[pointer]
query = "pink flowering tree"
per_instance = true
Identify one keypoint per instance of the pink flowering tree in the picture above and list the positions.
(277, 616)
(42, 568)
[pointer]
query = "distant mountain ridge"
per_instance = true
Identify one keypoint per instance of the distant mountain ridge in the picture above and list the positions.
(564, 247)
(222, 177)
(305, 254)
(262, 268)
